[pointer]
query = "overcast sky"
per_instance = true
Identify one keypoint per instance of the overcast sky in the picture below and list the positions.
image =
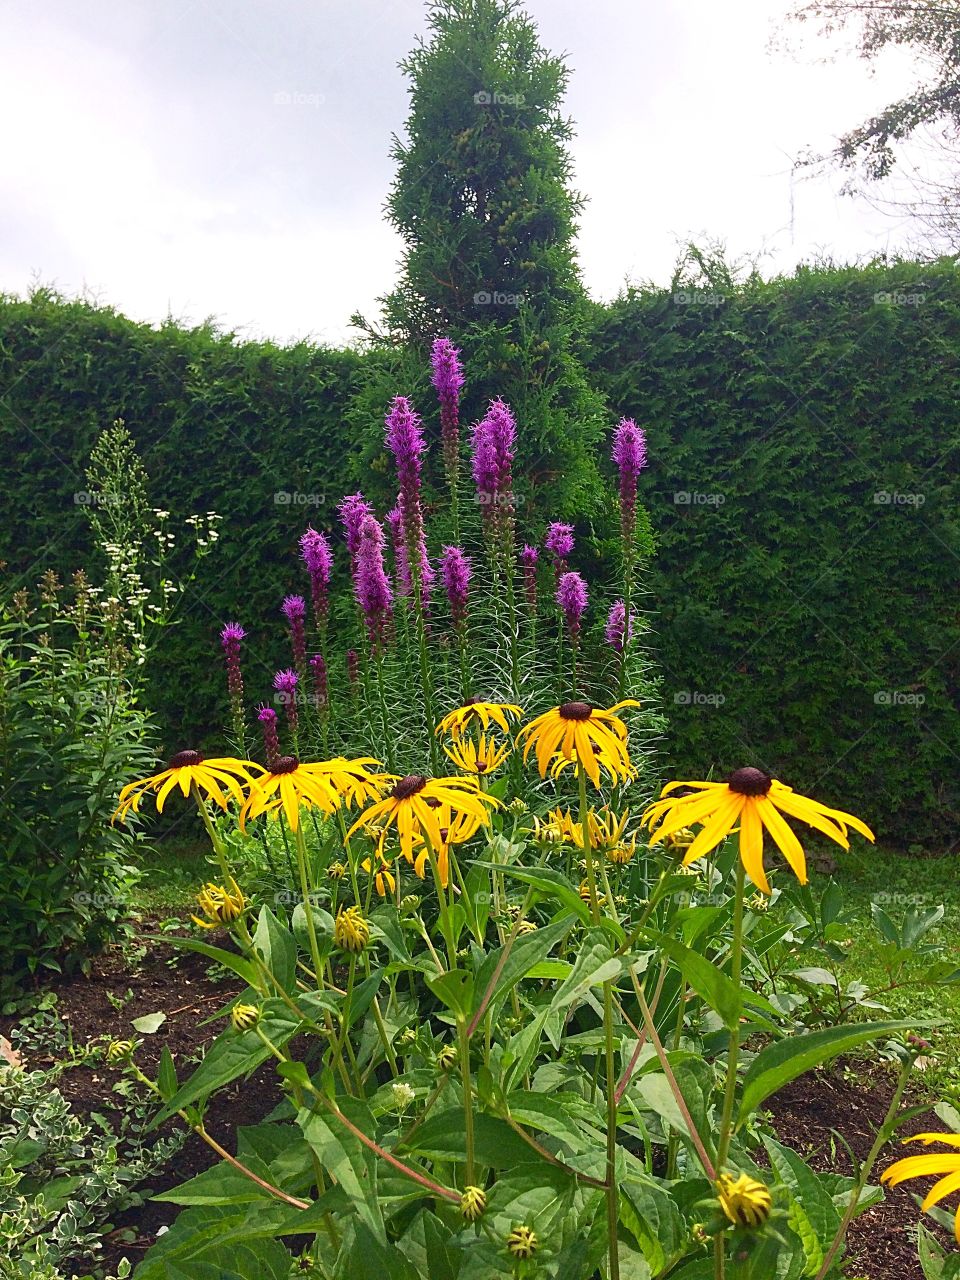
(229, 158)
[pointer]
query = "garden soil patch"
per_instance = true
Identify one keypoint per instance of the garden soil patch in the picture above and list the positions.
(853, 1102)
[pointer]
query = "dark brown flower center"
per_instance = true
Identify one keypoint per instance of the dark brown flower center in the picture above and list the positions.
(286, 764)
(749, 782)
(409, 786)
(185, 758)
(575, 711)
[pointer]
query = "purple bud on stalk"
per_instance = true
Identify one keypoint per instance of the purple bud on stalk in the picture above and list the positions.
(559, 542)
(230, 638)
(529, 560)
(457, 572)
(630, 454)
(494, 443)
(371, 585)
(321, 690)
(317, 556)
(271, 738)
(448, 381)
(294, 609)
(616, 620)
(572, 598)
(353, 666)
(285, 683)
(353, 511)
(405, 440)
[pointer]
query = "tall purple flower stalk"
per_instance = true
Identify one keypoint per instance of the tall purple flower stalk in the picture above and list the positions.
(285, 683)
(405, 440)
(616, 623)
(271, 738)
(529, 560)
(559, 542)
(294, 609)
(448, 381)
(371, 584)
(321, 689)
(572, 599)
(630, 454)
(353, 667)
(231, 638)
(317, 556)
(494, 444)
(353, 511)
(457, 572)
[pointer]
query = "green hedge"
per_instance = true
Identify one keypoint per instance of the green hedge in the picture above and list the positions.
(826, 619)
(810, 581)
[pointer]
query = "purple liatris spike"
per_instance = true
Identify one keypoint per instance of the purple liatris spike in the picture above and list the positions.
(630, 454)
(230, 638)
(321, 691)
(285, 683)
(456, 570)
(448, 381)
(353, 511)
(398, 541)
(572, 599)
(271, 738)
(616, 621)
(318, 558)
(405, 440)
(372, 587)
(294, 609)
(353, 666)
(529, 560)
(559, 542)
(494, 447)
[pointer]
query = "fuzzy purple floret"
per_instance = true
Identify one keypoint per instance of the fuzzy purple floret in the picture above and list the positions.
(448, 381)
(559, 540)
(294, 609)
(353, 511)
(630, 454)
(457, 572)
(616, 619)
(494, 445)
(398, 540)
(318, 557)
(405, 440)
(372, 587)
(230, 638)
(285, 683)
(572, 599)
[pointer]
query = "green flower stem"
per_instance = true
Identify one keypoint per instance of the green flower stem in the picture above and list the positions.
(463, 1037)
(612, 1193)
(384, 717)
(426, 679)
(733, 1054)
(513, 620)
(306, 891)
(445, 926)
(883, 1136)
(214, 835)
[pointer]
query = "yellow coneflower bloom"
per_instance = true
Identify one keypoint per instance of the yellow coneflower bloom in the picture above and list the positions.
(485, 713)
(416, 804)
(607, 835)
(576, 732)
(745, 1202)
(477, 757)
(187, 769)
(937, 1162)
(324, 784)
(557, 826)
(755, 800)
(383, 878)
(220, 905)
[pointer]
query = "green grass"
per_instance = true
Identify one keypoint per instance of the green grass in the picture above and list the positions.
(899, 885)
(173, 870)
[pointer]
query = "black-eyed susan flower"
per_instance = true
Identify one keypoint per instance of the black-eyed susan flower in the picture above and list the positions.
(945, 1163)
(336, 871)
(557, 826)
(351, 931)
(291, 785)
(482, 713)
(384, 879)
(215, 778)
(744, 1201)
(578, 733)
(473, 1203)
(522, 1241)
(220, 904)
(447, 1058)
(607, 835)
(420, 807)
(481, 757)
(755, 800)
(244, 1017)
(454, 829)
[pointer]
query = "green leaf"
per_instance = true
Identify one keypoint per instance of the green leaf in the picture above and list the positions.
(442, 1137)
(594, 965)
(351, 1163)
(784, 1060)
(277, 947)
(229, 959)
(166, 1075)
(548, 884)
(149, 1023)
(454, 990)
(812, 1213)
(528, 951)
